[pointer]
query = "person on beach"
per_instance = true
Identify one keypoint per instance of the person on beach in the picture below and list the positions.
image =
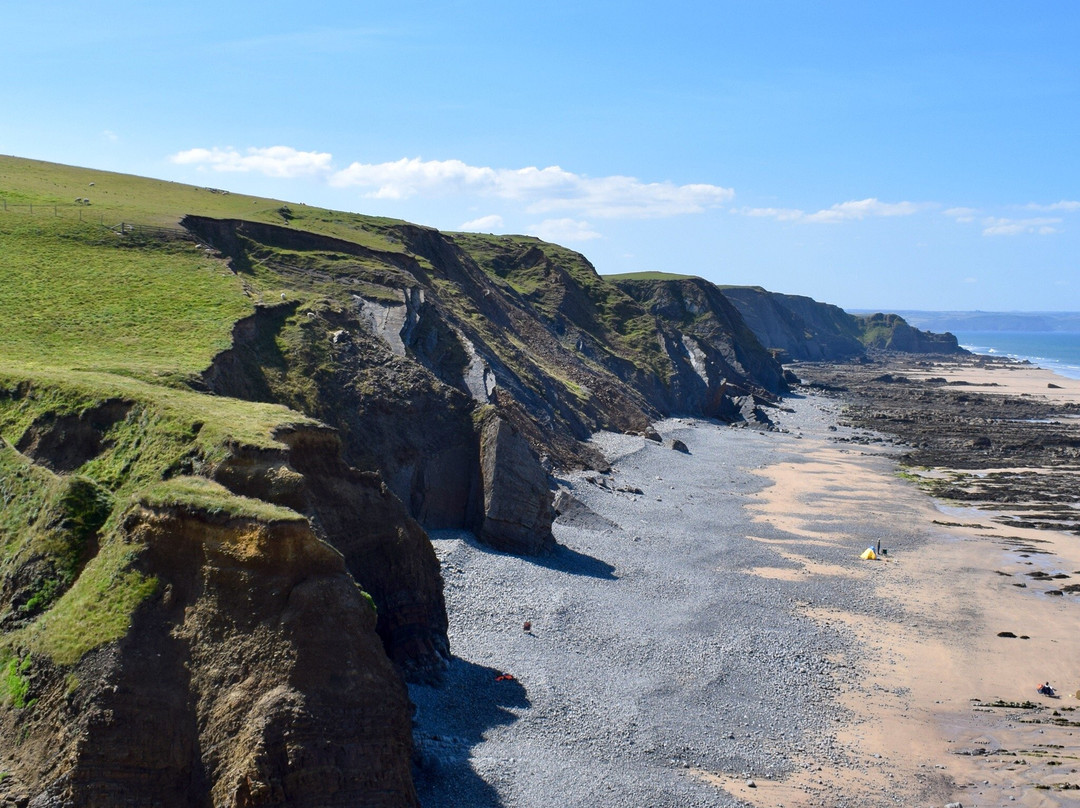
(1046, 690)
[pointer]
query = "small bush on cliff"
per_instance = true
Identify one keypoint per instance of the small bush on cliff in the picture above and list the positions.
(14, 683)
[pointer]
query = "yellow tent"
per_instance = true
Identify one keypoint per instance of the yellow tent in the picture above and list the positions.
(868, 554)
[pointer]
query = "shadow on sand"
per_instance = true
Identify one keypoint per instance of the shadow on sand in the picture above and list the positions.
(450, 720)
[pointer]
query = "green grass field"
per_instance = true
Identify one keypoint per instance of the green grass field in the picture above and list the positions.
(77, 296)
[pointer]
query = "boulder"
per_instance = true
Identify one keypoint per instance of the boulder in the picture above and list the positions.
(517, 510)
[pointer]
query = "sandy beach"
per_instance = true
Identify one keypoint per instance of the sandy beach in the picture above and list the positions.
(707, 634)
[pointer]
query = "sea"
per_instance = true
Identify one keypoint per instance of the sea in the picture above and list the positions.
(1058, 351)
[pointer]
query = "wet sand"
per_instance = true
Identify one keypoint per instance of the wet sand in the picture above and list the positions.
(932, 661)
(938, 673)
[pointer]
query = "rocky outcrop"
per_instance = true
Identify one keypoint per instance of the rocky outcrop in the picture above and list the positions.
(394, 415)
(802, 329)
(253, 676)
(713, 353)
(890, 332)
(518, 508)
(384, 549)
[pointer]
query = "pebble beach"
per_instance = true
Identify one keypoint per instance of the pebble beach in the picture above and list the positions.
(707, 635)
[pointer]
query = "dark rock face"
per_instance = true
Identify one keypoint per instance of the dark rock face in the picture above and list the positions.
(802, 329)
(713, 353)
(394, 416)
(64, 442)
(798, 327)
(384, 549)
(518, 508)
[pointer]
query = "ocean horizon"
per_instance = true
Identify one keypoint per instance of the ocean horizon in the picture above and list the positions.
(1057, 351)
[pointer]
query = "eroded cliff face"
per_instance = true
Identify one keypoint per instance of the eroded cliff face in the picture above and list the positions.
(718, 361)
(796, 327)
(394, 416)
(802, 329)
(170, 640)
(385, 550)
(405, 350)
(252, 676)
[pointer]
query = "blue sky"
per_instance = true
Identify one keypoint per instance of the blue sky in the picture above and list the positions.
(910, 155)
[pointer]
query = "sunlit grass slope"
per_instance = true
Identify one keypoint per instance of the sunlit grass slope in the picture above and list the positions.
(114, 198)
(75, 295)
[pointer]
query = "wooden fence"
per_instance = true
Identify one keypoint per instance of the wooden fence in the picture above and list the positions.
(83, 212)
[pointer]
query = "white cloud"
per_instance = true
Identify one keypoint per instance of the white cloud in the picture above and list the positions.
(962, 215)
(993, 226)
(537, 190)
(1070, 206)
(840, 212)
(485, 224)
(563, 231)
(274, 161)
(541, 190)
(408, 177)
(862, 208)
(110, 135)
(780, 214)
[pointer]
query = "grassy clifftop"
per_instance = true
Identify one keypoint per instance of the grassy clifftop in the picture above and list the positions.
(102, 335)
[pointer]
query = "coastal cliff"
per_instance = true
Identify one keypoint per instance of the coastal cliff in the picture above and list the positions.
(799, 328)
(223, 432)
(404, 350)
